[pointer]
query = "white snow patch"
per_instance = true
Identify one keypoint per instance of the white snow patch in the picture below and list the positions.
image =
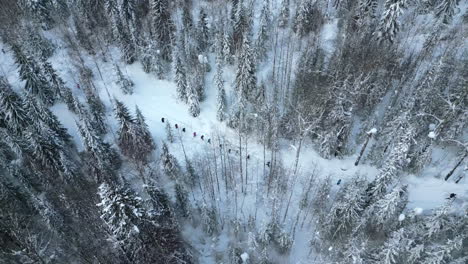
(432, 135)
(372, 131)
(401, 217)
(418, 210)
(244, 256)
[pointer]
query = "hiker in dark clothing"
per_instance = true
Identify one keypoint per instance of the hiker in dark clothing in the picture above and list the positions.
(194, 134)
(202, 137)
(183, 129)
(268, 164)
(176, 126)
(339, 181)
(452, 196)
(162, 119)
(229, 151)
(248, 156)
(209, 141)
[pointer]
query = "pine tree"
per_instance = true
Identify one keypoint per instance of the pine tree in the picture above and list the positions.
(389, 24)
(221, 96)
(169, 163)
(133, 138)
(284, 14)
(241, 28)
(30, 72)
(124, 82)
(181, 80)
(122, 212)
(446, 9)
(246, 81)
(302, 19)
(96, 110)
(192, 177)
(147, 144)
(194, 103)
(104, 158)
(187, 18)
(169, 134)
(384, 212)
(445, 253)
(347, 209)
(391, 250)
(264, 32)
(182, 201)
(56, 83)
(11, 108)
(396, 160)
(41, 11)
(203, 31)
(37, 45)
(43, 119)
(227, 48)
(163, 26)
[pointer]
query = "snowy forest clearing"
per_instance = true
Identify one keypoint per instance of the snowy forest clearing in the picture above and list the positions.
(157, 99)
(234, 132)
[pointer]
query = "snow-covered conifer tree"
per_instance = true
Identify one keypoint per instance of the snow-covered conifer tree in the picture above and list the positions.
(169, 134)
(122, 212)
(11, 108)
(194, 103)
(162, 26)
(180, 79)
(124, 82)
(389, 24)
(446, 9)
(221, 95)
(246, 80)
(203, 32)
(31, 73)
(284, 14)
(261, 43)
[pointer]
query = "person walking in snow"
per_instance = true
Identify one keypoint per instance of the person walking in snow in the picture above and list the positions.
(176, 126)
(202, 137)
(183, 129)
(162, 119)
(452, 196)
(194, 134)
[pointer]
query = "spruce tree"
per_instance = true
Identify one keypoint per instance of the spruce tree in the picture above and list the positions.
(194, 103)
(246, 80)
(261, 43)
(133, 137)
(147, 143)
(122, 211)
(11, 108)
(170, 164)
(126, 85)
(181, 79)
(203, 31)
(169, 134)
(221, 95)
(163, 26)
(284, 14)
(30, 72)
(446, 9)
(389, 24)
(241, 28)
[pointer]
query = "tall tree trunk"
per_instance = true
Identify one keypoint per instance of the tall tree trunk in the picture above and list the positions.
(456, 166)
